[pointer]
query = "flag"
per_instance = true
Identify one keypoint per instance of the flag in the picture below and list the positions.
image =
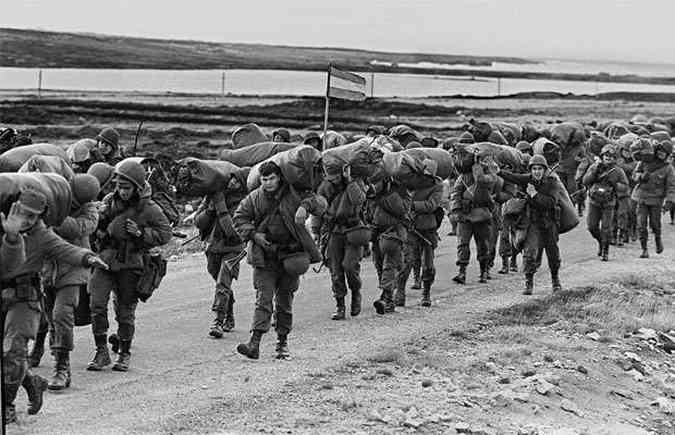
(346, 85)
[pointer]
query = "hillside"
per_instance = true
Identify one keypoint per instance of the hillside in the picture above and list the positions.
(34, 48)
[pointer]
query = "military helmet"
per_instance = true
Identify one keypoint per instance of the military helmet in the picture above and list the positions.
(85, 188)
(665, 146)
(538, 159)
(608, 149)
(132, 171)
(80, 151)
(103, 172)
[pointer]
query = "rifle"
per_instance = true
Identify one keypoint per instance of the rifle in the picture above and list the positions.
(138, 132)
(235, 260)
(324, 247)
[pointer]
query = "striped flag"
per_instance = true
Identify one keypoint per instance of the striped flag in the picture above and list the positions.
(346, 85)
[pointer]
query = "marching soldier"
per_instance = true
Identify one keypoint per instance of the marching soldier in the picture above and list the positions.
(63, 281)
(605, 182)
(655, 183)
(108, 141)
(423, 237)
(214, 221)
(21, 293)
(541, 189)
(342, 224)
(272, 219)
(472, 203)
(391, 203)
(129, 225)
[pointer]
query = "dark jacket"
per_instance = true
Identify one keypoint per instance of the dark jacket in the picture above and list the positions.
(75, 229)
(425, 202)
(605, 184)
(42, 244)
(543, 205)
(656, 182)
(391, 207)
(345, 204)
(120, 249)
(214, 221)
(276, 214)
(12, 255)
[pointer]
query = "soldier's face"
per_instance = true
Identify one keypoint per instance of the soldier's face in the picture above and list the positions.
(538, 172)
(270, 183)
(234, 184)
(28, 217)
(125, 189)
(607, 159)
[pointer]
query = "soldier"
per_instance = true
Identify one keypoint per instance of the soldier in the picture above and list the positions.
(104, 173)
(281, 135)
(63, 281)
(129, 225)
(655, 182)
(313, 139)
(507, 250)
(272, 219)
(342, 222)
(541, 188)
(108, 145)
(391, 214)
(472, 204)
(605, 182)
(224, 248)
(21, 294)
(625, 208)
(423, 236)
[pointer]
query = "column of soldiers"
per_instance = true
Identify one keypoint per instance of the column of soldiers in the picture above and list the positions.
(114, 222)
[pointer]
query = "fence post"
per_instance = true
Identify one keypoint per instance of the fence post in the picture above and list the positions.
(39, 89)
(222, 84)
(372, 84)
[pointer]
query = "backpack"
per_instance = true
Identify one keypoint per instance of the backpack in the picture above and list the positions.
(154, 269)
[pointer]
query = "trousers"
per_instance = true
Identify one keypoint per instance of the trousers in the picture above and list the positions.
(600, 221)
(481, 232)
(60, 305)
(274, 293)
(122, 285)
(223, 298)
(538, 240)
(648, 214)
(345, 267)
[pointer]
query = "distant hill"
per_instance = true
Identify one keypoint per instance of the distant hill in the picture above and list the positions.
(43, 49)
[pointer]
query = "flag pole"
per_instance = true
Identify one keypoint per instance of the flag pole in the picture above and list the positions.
(325, 113)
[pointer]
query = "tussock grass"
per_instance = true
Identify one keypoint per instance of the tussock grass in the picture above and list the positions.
(616, 307)
(387, 356)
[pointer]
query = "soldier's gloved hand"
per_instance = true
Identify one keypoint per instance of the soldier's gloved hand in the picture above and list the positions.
(261, 240)
(96, 262)
(301, 216)
(132, 228)
(531, 190)
(12, 223)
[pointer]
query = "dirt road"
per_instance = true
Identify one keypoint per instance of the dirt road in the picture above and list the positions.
(183, 381)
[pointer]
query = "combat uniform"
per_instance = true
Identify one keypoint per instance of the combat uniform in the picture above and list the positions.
(21, 307)
(472, 201)
(224, 249)
(272, 214)
(604, 183)
(655, 182)
(544, 216)
(391, 214)
(345, 211)
(124, 253)
(423, 240)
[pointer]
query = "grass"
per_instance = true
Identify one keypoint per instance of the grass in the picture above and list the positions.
(613, 308)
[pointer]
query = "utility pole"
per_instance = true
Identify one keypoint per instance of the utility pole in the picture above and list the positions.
(372, 84)
(222, 84)
(39, 83)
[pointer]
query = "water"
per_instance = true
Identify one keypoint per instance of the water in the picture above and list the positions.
(272, 82)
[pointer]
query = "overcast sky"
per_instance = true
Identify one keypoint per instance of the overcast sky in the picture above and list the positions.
(628, 30)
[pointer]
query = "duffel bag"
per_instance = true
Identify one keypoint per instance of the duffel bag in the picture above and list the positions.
(154, 270)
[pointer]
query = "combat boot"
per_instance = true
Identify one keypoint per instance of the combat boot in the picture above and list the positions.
(483, 274)
(356, 303)
(216, 330)
(124, 357)
(8, 395)
(643, 245)
(61, 378)
(601, 248)
(555, 281)
(339, 313)
(38, 350)
(35, 386)
(282, 347)
(114, 341)
(505, 266)
(514, 263)
(460, 278)
(388, 299)
(228, 324)
(399, 297)
(605, 252)
(102, 357)
(380, 304)
(659, 243)
(252, 348)
(529, 284)
(417, 280)
(426, 295)
(619, 238)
